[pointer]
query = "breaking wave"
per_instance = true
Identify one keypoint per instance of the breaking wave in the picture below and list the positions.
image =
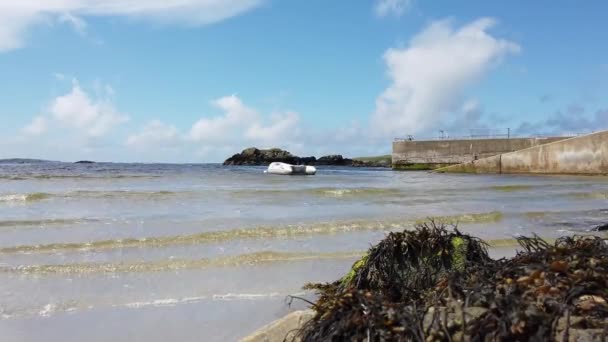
(600, 195)
(264, 232)
(490, 217)
(356, 192)
(323, 192)
(20, 198)
(82, 194)
(172, 264)
(251, 259)
(42, 222)
(75, 176)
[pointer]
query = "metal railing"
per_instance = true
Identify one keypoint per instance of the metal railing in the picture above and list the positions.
(506, 135)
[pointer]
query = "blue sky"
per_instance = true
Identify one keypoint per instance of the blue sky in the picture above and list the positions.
(197, 80)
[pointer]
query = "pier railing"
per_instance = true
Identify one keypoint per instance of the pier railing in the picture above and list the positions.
(486, 136)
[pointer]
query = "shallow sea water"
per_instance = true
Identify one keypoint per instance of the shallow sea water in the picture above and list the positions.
(154, 252)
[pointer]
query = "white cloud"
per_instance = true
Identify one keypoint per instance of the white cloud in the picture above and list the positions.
(236, 116)
(17, 16)
(397, 8)
(429, 76)
(471, 106)
(78, 110)
(79, 25)
(240, 124)
(36, 127)
(283, 128)
(154, 133)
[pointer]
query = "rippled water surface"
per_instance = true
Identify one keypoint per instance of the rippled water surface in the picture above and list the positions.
(126, 252)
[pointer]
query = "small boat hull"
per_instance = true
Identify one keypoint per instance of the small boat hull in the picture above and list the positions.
(277, 168)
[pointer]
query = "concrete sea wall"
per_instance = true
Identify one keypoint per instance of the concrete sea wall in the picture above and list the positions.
(432, 154)
(584, 155)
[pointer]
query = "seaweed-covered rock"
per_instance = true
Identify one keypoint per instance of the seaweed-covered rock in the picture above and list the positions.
(408, 263)
(384, 162)
(435, 284)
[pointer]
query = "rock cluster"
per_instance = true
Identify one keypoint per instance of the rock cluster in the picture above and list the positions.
(254, 156)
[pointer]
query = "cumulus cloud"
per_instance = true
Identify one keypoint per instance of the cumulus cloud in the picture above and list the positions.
(221, 128)
(429, 76)
(37, 127)
(239, 122)
(93, 116)
(283, 126)
(397, 8)
(154, 134)
(17, 16)
(78, 110)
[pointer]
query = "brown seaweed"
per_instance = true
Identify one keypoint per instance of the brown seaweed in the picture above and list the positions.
(437, 284)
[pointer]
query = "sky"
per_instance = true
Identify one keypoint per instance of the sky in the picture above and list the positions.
(199, 80)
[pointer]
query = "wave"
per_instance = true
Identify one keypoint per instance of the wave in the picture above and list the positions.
(50, 309)
(42, 222)
(216, 297)
(75, 176)
(600, 195)
(252, 259)
(81, 194)
(514, 188)
(490, 217)
(209, 237)
(348, 192)
(120, 194)
(263, 232)
(324, 192)
(172, 264)
(17, 198)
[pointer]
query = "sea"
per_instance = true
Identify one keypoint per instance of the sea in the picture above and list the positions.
(205, 252)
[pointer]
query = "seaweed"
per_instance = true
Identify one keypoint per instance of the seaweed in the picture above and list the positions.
(437, 284)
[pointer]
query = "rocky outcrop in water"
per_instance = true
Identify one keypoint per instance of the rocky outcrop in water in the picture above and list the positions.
(254, 156)
(372, 163)
(334, 159)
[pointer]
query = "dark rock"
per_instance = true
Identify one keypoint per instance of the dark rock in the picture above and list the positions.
(254, 156)
(371, 163)
(334, 159)
(601, 228)
(84, 162)
(308, 160)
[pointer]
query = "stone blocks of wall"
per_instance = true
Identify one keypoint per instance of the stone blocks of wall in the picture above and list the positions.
(584, 155)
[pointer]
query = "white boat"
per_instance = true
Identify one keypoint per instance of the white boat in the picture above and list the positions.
(277, 168)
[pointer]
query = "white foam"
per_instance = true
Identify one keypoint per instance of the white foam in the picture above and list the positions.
(13, 198)
(47, 310)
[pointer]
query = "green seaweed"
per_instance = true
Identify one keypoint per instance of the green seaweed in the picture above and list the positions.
(511, 188)
(419, 166)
